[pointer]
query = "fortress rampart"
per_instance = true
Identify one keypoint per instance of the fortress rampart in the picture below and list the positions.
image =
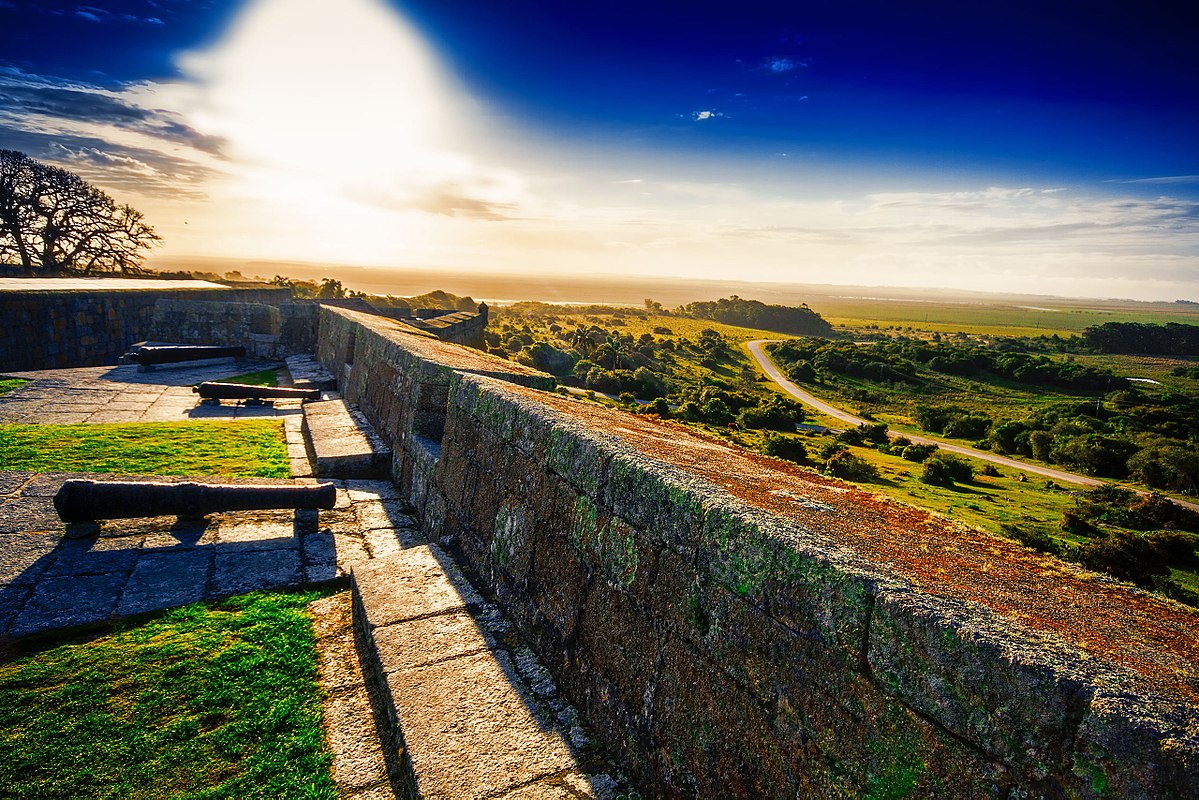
(733, 625)
(54, 329)
(81, 327)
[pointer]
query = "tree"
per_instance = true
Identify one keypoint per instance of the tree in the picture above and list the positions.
(52, 221)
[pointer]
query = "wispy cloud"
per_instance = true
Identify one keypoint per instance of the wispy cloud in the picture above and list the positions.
(786, 63)
(1166, 179)
(700, 116)
(40, 101)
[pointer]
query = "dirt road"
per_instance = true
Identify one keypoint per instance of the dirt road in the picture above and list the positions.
(759, 355)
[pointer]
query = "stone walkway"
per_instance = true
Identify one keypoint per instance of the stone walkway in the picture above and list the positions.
(48, 581)
(122, 394)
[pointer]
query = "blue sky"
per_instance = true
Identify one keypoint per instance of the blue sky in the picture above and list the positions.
(1047, 147)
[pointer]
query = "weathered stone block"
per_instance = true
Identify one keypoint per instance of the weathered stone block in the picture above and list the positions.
(1015, 696)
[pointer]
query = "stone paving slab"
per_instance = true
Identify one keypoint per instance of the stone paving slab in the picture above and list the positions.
(360, 752)
(123, 394)
(166, 580)
(470, 723)
(48, 581)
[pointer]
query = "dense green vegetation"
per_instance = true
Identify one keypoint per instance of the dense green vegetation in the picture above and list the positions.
(1171, 339)
(686, 369)
(245, 448)
(208, 700)
(1051, 409)
(798, 320)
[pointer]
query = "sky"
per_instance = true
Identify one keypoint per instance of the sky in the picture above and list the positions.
(1045, 147)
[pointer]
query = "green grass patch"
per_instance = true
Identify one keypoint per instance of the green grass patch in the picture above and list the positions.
(241, 449)
(210, 700)
(8, 384)
(263, 377)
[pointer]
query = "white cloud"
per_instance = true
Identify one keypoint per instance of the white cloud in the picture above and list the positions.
(700, 116)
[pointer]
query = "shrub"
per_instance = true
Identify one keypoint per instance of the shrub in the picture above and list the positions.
(1140, 559)
(785, 447)
(944, 469)
(853, 436)
(918, 452)
(830, 450)
(1035, 537)
(876, 432)
(967, 426)
(775, 414)
(851, 467)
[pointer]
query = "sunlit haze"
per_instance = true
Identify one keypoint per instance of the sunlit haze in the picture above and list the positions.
(614, 141)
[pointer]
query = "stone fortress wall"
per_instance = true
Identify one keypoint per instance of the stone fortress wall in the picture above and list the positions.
(79, 327)
(55, 329)
(733, 626)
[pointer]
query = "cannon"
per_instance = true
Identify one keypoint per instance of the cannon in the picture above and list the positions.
(155, 354)
(213, 390)
(88, 501)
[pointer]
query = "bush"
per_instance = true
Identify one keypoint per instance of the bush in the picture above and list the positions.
(967, 426)
(785, 447)
(853, 436)
(1035, 537)
(850, 467)
(1140, 559)
(830, 450)
(775, 414)
(876, 432)
(944, 469)
(918, 452)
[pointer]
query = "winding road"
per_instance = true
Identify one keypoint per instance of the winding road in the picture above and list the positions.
(776, 375)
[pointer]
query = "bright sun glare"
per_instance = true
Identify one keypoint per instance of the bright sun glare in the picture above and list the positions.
(336, 116)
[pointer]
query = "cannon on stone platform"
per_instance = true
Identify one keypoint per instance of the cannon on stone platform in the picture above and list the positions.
(216, 391)
(152, 355)
(88, 501)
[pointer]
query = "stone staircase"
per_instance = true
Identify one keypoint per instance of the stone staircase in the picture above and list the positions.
(464, 708)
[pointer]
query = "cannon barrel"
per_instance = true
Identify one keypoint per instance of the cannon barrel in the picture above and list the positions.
(150, 355)
(213, 390)
(86, 501)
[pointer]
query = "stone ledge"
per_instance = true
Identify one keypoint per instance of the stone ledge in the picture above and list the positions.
(341, 443)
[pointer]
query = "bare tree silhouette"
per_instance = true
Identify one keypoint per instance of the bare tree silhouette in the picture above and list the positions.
(52, 221)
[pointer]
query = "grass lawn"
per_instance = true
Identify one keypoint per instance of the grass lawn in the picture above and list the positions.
(213, 700)
(244, 449)
(263, 377)
(8, 384)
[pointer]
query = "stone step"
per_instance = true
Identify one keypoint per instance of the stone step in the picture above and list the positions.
(474, 715)
(342, 444)
(308, 373)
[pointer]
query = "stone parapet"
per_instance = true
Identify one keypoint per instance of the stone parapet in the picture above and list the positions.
(736, 626)
(56, 329)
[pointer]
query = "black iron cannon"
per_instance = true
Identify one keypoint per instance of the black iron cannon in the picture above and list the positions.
(155, 354)
(87, 501)
(214, 390)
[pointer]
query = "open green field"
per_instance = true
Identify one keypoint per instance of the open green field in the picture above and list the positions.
(1024, 317)
(214, 700)
(240, 449)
